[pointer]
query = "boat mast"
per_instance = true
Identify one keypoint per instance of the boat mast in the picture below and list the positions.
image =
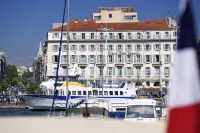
(67, 68)
(160, 74)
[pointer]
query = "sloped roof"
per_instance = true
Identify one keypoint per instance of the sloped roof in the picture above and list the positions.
(91, 25)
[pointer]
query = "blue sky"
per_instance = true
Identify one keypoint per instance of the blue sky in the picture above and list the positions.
(23, 23)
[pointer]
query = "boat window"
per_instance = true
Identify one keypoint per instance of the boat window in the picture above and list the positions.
(84, 93)
(73, 92)
(105, 93)
(79, 92)
(89, 93)
(120, 109)
(95, 92)
(116, 92)
(143, 111)
(100, 93)
(111, 93)
(121, 92)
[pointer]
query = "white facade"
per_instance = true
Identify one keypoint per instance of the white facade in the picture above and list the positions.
(128, 59)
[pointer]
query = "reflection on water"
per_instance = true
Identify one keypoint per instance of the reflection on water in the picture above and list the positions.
(26, 112)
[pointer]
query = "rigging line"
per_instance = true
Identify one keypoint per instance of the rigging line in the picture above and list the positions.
(57, 70)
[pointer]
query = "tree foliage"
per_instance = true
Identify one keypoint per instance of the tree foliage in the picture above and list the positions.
(33, 88)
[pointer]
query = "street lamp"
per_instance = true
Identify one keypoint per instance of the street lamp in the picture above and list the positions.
(103, 29)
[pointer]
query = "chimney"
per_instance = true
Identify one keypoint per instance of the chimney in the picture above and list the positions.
(85, 20)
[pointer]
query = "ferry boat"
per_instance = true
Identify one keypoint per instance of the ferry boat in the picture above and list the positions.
(78, 92)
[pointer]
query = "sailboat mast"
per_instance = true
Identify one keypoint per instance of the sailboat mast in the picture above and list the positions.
(160, 73)
(67, 65)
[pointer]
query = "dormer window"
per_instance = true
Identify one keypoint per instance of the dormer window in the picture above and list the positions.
(55, 36)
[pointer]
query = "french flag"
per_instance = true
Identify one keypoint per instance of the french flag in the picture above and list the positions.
(184, 93)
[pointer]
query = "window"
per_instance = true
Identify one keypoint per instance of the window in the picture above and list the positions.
(64, 35)
(166, 35)
(64, 59)
(105, 93)
(73, 47)
(100, 93)
(79, 92)
(110, 36)
(156, 47)
(110, 58)
(74, 35)
(82, 48)
(89, 93)
(119, 58)
(138, 58)
(128, 59)
(167, 58)
(174, 34)
(92, 59)
(129, 71)
(156, 58)
(119, 72)
(121, 92)
(157, 70)
(120, 36)
(55, 36)
(83, 72)
(147, 71)
(147, 35)
(92, 47)
(128, 47)
(166, 71)
(110, 69)
(166, 47)
(83, 59)
(55, 48)
(92, 36)
(138, 36)
(116, 93)
(148, 83)
(55, 59)
(97, 17)
(73, 92)
(95, 92)
(110, 15)
(147, 47)
(157, 35)
(148, 58)
(83, 35)
(91, 71)
(84, 93)
(64, 47)
(110, 47)
(128, 17)
(73, 58)
(101, 47)
(129, 36)
(174, 46)
(111, 93)
(101, 35)
(138, 47)
(119, 47)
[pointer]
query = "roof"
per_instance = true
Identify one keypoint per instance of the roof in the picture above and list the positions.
(91, 25)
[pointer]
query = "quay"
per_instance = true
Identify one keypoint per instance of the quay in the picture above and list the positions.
(13, 107)
(77, 125)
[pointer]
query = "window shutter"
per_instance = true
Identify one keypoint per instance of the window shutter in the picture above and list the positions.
(104, 59)
(169, 46)
(122, 48)
(131, 71)
(150, 58)
(126, 59)
(145, 47)
(113, 68)
(154, 46)
(80, 48)
(123, 58)
(71, 58)
(52, 47)
(125, 71)
(135, 47)
(52, 58)
(154, 58)
(89, 47)
(115, 58)
(86, 58)
(169, 58)
(144, 58)
(126, 48)
(149, 47)
(134, 57)
(131, 58)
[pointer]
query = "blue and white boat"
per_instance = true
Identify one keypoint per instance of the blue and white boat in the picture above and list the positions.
(78, 92)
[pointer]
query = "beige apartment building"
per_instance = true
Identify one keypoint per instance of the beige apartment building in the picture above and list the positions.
(132, 50)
